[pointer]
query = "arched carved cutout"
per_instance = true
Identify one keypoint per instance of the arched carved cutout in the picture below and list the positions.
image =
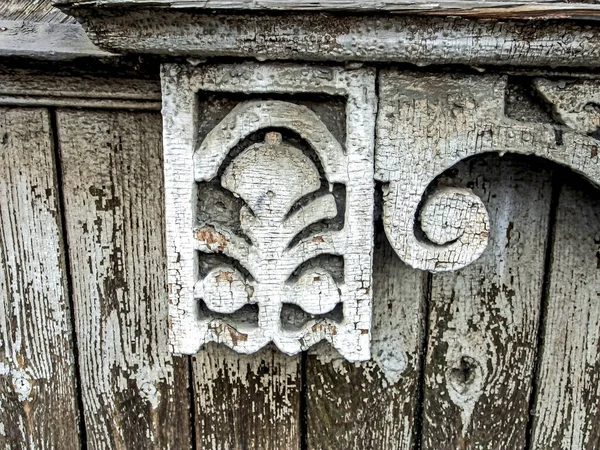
(249, 117)
(428, 123)
(283, 194)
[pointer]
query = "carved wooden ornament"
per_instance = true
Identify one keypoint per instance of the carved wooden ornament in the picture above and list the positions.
(269, 212)
(270, 194)
(427, 123)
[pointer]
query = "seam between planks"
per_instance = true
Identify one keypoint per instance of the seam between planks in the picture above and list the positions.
(192, 396)
(303, 419)
(69, 281)
(557, 186)
(420, 397)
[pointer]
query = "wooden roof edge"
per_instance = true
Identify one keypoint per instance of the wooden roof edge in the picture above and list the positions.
(468, 8)
(44, 40)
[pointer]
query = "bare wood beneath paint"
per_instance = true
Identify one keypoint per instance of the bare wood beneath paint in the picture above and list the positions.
(484, 319)
(477, 8)
(567, 407)
(247, 401)
(375, 402)
(38, 396)
(327, 37)
(134, 392)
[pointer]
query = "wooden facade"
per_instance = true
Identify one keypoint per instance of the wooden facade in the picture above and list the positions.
(501, 354)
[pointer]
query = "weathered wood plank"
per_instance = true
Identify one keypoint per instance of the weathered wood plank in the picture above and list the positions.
(32, 11)
(246, 401)
(134, 393)
(373, 404)
(567, 412)
(32, 83)
(329, 37)
(484, 318)
(480, 8)
(51, 41)
(38, 399)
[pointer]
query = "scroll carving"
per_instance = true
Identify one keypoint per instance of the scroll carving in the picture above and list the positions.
(428, 123)
(269, 214)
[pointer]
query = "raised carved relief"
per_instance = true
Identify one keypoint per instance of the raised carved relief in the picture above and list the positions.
(427, 123)
(269, 206)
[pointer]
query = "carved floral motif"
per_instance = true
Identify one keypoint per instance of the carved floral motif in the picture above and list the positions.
(290, 260)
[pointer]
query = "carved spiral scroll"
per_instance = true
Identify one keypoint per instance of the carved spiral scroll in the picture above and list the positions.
(449, 231)
(426, 125)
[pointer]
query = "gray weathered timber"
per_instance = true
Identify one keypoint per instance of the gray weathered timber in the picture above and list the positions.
(568, 385)
(38, 406)
(327, 37)
(428, 123)
(32, 11)
(374, 402)
(484, 319)
(134, 392)
(478, 8)
(30, 84)
(49, 41)
(23, 87)
(246, 401)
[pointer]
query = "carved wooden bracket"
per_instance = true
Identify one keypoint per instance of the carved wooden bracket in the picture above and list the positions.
(270, 192)
(428, 123)
(269, 208)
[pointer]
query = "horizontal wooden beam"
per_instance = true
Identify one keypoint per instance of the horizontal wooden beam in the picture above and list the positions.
(27, 88)
(476, 8)
(331, 37)
(54, 41)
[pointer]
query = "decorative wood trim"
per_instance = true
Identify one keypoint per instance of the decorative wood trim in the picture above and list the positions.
(270, 177)
(428, 123)
(326, 37)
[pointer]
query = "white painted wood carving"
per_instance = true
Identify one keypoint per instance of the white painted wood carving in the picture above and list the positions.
(428, 123)
(269, 209)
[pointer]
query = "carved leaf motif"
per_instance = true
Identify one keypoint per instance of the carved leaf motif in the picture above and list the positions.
(284, 239)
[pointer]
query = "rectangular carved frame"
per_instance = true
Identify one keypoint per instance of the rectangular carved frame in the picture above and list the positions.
(182, 85)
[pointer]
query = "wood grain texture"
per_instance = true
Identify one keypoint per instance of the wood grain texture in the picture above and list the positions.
(331, 37)
(249, 402)
(134, 393)
(32, 11)
(372, 405)
(567, 406)
(38, 406)
(478, 8)
(47, 41)
(484, 319)
(25, 87)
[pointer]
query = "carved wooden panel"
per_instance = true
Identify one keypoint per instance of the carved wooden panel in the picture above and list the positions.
(269, 206)
(427, 123)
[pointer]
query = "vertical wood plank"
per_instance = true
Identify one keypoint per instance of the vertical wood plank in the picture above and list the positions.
(134, 393)
(38, 407)
(372, 404)
(247, 401)
(484, 319)
(567, 406)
